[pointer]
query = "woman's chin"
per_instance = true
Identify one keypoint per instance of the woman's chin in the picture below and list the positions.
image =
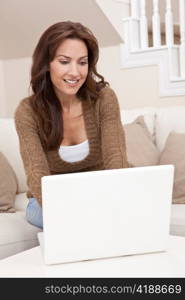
(70, 91)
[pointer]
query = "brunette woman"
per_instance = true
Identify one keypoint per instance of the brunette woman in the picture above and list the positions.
(71, 122)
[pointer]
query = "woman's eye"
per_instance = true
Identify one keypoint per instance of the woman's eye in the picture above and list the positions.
(83, 63)
(64, 62)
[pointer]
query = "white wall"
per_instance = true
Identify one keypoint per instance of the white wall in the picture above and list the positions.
(115, 11)
(2, 92)
(16, 82)
(136, 87)
(23, 21)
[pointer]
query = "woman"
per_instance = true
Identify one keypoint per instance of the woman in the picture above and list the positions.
(71, 123)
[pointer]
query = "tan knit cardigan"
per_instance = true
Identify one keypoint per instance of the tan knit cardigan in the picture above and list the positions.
(107, 149)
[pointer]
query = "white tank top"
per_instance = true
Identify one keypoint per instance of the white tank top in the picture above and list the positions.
(75, 152)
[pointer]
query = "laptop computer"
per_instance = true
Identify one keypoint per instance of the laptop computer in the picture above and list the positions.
(99, 214)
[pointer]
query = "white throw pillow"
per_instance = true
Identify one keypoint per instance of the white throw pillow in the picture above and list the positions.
(129, 115)
(169, 119)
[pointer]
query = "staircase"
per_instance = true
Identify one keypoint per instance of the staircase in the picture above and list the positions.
(150, 40)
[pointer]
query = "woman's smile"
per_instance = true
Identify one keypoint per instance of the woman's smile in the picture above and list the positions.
(72, 83)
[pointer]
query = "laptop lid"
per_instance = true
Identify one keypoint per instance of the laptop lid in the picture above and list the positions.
(107, 213)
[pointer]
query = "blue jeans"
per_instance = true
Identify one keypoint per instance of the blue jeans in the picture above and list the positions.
(34, 213)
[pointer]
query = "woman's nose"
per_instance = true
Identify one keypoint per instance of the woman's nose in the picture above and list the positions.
(74, 69)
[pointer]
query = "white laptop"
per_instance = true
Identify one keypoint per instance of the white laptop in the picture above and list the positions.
(107, 213)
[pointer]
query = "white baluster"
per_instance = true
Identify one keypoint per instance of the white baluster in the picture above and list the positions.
(143, 25)
(169, 24)
(156, 25)
(182, 35)
(135, 9)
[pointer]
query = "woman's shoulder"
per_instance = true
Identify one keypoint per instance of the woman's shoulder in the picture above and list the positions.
(24, 109)
(24, 105)
(106, 102)
(107, 96)
(106, 91)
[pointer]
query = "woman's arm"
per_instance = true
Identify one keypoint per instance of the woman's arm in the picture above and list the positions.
(112, 133)
(32, 153)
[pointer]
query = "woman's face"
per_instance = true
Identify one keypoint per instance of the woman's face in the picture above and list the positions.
(69, 68)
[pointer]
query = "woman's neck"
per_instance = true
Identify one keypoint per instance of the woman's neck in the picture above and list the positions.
(68, 102)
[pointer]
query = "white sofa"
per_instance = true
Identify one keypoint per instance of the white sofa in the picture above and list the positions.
(17, 235)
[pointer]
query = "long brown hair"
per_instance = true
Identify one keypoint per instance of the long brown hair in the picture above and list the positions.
(44, 101)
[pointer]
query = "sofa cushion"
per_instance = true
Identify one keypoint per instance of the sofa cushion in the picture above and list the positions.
(177, 220)
(169, 119)
(8, 186)
(9, 146)
(16, 234)
(129, 115)
(21, 202)
(174, 153)
(141, 150)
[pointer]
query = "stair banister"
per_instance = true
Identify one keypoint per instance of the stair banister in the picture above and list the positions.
(169, 24)
(156, 25)
(170, 57)
(143, 25)
(182, 36)
(135, 9)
